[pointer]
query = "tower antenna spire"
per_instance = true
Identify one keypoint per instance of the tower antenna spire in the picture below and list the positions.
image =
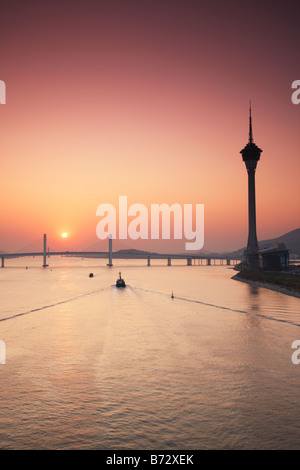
(250, 126)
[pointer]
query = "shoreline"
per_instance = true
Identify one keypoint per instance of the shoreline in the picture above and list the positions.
(267, 285)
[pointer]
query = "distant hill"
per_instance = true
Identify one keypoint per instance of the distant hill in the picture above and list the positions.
(290, 239)
(132, 251)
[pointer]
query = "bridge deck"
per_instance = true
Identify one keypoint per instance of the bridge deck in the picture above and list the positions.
(117, 255)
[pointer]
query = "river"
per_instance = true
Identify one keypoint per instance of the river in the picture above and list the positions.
(90, 366)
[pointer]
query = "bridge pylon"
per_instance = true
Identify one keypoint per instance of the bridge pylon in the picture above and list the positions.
(45, 251)
(110, 252)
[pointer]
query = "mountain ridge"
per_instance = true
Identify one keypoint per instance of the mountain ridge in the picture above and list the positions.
(290, 239)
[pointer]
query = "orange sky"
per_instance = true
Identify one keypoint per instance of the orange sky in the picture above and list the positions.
(149, 100)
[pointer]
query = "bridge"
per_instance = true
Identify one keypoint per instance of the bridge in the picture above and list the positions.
(46, 253)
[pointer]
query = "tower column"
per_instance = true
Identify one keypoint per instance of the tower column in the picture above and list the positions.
(252, 246)
(110, 251)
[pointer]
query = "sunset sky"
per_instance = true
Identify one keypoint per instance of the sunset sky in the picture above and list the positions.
(148, 99)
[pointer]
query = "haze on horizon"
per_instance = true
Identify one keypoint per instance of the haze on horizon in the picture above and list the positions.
(150, 100)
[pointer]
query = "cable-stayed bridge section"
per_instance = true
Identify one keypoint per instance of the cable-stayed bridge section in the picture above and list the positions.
(53, 248)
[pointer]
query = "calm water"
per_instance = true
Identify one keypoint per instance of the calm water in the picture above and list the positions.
(89, 366)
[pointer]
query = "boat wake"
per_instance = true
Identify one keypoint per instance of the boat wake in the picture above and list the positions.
(44, 307)
(185, 299)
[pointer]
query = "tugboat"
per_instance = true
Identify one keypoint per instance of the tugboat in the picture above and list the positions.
(120, 282)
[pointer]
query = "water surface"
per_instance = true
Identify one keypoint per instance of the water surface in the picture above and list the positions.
(90, 366)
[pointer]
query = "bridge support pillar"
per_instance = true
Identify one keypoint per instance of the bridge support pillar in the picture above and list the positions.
(169, 261)
(208, 261)
(189, 261)
(228, 262)
(110, 252)
(148, 261)
(2, 261)
(45, 251)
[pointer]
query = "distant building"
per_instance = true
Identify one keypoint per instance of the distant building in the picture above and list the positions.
(273, 259)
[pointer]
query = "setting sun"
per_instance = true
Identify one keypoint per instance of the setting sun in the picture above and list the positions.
(64, 235)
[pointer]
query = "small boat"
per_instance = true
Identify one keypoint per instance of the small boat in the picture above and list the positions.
(120, 282)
